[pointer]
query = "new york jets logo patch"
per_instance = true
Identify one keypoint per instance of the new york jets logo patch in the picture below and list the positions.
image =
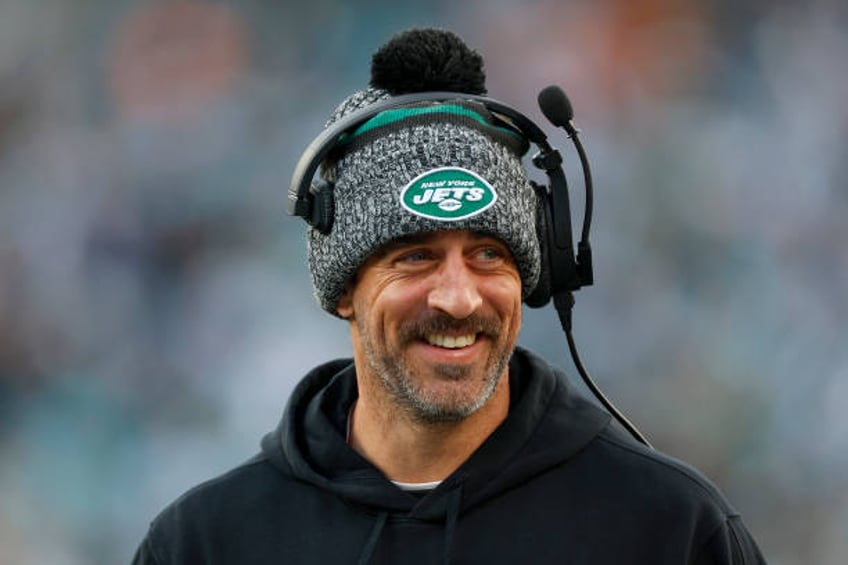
(448, 194)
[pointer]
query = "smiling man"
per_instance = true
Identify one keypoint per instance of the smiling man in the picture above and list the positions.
(441, 441)
(434, 321)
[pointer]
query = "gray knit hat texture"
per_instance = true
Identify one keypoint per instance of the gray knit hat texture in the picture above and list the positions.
(445, 144)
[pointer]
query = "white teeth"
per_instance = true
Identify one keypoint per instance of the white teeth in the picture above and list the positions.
(451, 342)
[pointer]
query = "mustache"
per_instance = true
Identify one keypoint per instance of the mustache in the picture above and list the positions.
(443, 323)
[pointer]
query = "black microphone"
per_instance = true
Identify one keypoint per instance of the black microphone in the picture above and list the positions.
(556, 107)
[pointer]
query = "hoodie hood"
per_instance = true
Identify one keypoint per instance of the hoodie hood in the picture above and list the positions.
(548, 423)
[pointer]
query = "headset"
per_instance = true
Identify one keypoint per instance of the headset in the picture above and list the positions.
(563, 272)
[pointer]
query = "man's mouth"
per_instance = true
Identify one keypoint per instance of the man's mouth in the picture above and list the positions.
(450, 341)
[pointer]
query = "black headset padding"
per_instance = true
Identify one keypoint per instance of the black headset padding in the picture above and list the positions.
(323, 207)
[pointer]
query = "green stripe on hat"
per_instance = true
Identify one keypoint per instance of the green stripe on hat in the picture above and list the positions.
(389, 117)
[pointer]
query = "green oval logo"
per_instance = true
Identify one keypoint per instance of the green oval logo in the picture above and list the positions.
(448, 194)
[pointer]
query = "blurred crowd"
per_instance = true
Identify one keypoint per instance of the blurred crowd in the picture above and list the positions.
(155, 306)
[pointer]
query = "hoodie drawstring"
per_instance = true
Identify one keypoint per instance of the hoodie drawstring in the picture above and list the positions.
(451, 518)
(373, 537)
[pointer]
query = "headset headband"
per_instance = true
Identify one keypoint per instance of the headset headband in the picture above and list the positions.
(298, 197)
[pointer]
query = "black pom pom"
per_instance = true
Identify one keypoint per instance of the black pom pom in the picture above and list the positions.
(421, 60)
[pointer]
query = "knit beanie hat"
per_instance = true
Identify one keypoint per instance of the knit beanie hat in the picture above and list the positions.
(425, 167)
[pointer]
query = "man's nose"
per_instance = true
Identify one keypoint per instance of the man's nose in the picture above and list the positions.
(454, 290)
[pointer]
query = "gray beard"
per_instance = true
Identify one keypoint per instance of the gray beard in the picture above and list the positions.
(399, 381)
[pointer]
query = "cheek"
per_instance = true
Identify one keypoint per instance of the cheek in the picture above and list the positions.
(506, 299)
(506, 293)
(384, 309)
(515, 320)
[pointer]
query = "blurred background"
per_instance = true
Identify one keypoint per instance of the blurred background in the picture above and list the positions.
(155, 306)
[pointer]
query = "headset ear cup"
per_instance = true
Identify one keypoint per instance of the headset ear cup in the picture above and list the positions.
(541, 295)
(323, 206)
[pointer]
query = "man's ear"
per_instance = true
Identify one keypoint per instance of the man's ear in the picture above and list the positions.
(345, 305)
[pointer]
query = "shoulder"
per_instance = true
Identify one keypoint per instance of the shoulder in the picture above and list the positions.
(254, 484)
(208, 496)
(600, 451)
(191, 523)
(674, 495)
(660, 475)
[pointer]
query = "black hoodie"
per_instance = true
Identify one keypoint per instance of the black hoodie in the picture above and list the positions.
(555, 483)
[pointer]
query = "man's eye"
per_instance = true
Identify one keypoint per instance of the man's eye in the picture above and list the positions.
(414, 257)
(490, 253)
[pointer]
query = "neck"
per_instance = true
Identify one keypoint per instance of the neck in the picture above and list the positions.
(411, 451)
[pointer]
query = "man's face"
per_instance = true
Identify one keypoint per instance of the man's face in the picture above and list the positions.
(435, 318)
